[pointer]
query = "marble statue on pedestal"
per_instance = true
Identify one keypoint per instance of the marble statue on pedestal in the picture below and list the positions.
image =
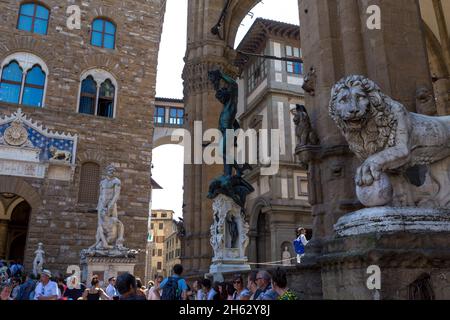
(38, 261)
(404, 178)
(108, 255)
(110, 230)
(229, 235)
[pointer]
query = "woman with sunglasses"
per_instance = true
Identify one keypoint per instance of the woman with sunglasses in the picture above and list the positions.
(241, 292)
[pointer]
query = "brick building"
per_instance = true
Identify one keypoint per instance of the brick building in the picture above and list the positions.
(87, 100)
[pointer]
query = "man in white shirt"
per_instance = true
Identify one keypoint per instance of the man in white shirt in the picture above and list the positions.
(111, 290)
(46, 289)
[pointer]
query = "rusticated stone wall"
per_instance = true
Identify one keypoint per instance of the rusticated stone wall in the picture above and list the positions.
(57, 220)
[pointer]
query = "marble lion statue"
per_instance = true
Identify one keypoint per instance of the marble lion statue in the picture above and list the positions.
(60, 154)
(382, 133)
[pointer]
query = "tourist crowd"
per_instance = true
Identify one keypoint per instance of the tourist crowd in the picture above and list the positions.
(259, 285)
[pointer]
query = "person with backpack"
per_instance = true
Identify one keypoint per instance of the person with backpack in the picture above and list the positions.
(174, 287)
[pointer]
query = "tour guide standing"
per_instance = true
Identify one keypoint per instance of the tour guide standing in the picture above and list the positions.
(174, 287)
(46, 289)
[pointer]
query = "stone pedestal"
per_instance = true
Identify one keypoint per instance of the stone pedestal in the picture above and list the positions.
(106, 267)
(408, 245)
(388, 219)
(229, 254)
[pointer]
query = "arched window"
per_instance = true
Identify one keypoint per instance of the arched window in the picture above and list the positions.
(103, 34)
(23, 80)
(98, 93)
(106, 99)
(89, 183)
(33, 92)
(11, 83)
(88, 95)
(33, 18)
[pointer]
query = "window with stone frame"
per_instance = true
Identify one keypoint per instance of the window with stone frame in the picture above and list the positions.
(89, 183)
(160, 252)
(23, 78)
(302, 185)
(294, 67)
(34, 18)
(159, 266)
(98, 93)
(256, 73)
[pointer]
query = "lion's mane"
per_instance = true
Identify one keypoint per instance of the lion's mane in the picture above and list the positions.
(381, 125)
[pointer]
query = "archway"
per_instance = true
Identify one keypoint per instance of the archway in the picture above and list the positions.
(14, 227)
(166, 205)
(263, 238)
(206, 51)
(18, 201)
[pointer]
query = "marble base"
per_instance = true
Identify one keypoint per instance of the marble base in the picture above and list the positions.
(105, 267)
(111, 253)
(390, 219)
(224, 267)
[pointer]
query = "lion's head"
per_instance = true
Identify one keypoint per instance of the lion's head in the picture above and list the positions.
(363, 113)
(353, 100)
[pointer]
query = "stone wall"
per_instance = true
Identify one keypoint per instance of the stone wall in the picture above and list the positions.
(403, 257)
(64, 226)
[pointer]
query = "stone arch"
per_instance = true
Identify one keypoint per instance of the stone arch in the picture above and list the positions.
(21, 188)
(163, 140)
(257, 251)
(255, 212)
(238, 11)
(12, 206)
(91, 156)
(21, 43)
(101, 61)
(104, 12)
